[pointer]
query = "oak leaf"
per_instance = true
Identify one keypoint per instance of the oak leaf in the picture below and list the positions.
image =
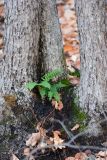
(57, 140)
(34, 139)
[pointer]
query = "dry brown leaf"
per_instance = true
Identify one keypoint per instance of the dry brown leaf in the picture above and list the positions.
(102, 154)
(14, 157)
(68, 48)
(60, 105)
(70, 158)
(54, 103)
(42, 132)
(57, 140)
(57, 105)
(34, 139)
(26, 151)
(49, 141)
(68, 21)
(80, 156)
(75, 127)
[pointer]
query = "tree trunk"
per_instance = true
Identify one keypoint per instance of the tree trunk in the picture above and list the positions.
(92, 26)
(33, 46)
(33, 43)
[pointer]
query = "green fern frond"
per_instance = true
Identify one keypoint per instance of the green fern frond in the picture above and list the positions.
(47, 88)
(51, 75)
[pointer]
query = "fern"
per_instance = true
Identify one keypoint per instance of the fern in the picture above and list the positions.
(31, 85)
(46, 87)
(53, 74)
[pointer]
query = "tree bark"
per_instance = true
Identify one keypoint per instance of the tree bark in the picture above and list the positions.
(92, 26)
(33, 44)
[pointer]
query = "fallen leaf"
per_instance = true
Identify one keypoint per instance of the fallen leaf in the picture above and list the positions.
(57, 105)
(75, 127)
(60, 105)
(34, 139)
(70, 158)
(26, 151)
(68, 48)
(102, 154)
(49, 141)
(54, 103)
(14, 157)
(42, 132)
(80, 156)
(57, 140)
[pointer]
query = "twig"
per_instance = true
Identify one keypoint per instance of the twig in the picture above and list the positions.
(76, 136)
(68, 145)
(70, 135)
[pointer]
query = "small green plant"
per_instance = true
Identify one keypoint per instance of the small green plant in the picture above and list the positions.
(79, 116)
(76, 73)
(49, 88)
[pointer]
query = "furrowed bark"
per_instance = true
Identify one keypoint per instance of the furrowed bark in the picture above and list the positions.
(33, 44)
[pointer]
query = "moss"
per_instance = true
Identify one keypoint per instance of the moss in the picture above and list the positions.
(78, 115)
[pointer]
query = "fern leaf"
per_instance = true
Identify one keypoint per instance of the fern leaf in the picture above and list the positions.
(31, 85)
(45, 84)
(50, 75)
(56, 96)
(43, 92)
(50, 95)
(60, 85)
